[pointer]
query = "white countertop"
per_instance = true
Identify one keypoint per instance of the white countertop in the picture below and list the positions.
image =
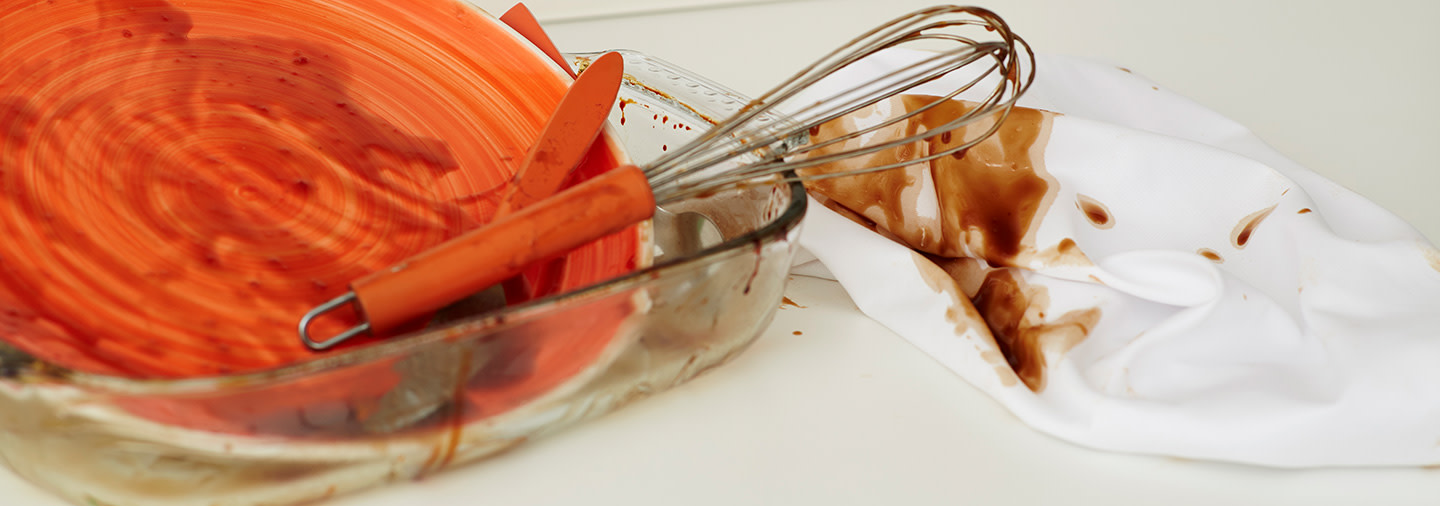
(847, 412)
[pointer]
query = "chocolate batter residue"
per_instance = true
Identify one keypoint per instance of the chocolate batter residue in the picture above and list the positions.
(1097, 213)
(1241, 236)
(1015, 314)
(974, 216)
(1064, 253)
(1211, 254)
(958, 277)
(983, 204)
(1008, 315)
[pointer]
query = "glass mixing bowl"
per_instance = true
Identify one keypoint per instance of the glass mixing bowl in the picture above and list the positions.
(455, 393)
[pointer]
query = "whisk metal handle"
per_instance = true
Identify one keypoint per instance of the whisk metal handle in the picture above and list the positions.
(600, 206)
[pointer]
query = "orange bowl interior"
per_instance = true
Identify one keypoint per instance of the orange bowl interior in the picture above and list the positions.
(181, 183)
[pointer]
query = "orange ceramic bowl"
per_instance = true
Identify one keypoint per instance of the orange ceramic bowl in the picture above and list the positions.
(182, 181)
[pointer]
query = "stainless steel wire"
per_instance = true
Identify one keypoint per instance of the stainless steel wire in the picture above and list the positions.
(974, 38)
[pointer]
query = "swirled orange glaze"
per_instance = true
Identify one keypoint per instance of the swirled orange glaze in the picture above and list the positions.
(180, 184)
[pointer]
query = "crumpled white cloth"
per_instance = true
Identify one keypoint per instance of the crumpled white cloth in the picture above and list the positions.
(1318, 344)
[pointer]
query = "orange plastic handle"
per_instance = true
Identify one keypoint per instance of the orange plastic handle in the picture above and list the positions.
(482, 257)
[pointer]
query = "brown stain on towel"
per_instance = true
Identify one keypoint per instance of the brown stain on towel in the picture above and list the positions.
(988, 199)
(1094, 211)
(979, 225)
(1246, 228)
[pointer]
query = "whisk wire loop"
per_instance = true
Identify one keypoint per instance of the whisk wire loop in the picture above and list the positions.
(774, 129)
(760, 135)
(905, 29)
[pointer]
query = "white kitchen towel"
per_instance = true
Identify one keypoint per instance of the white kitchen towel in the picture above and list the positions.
(1224, 303)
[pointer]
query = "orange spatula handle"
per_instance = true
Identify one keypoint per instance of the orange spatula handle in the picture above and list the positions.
(482, 257)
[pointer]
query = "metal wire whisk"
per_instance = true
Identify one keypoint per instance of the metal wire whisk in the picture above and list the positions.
(966, 37)
(772, 128)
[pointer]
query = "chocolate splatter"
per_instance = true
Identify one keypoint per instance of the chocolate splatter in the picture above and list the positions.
(1014, 313)
(961, 312)
(1211, 254)
(1016, 333)
(1066, 252)
(986, 202)
(1246, 228)
(1096, 212)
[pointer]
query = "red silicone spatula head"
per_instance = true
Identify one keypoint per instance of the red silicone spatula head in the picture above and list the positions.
(523, 22)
